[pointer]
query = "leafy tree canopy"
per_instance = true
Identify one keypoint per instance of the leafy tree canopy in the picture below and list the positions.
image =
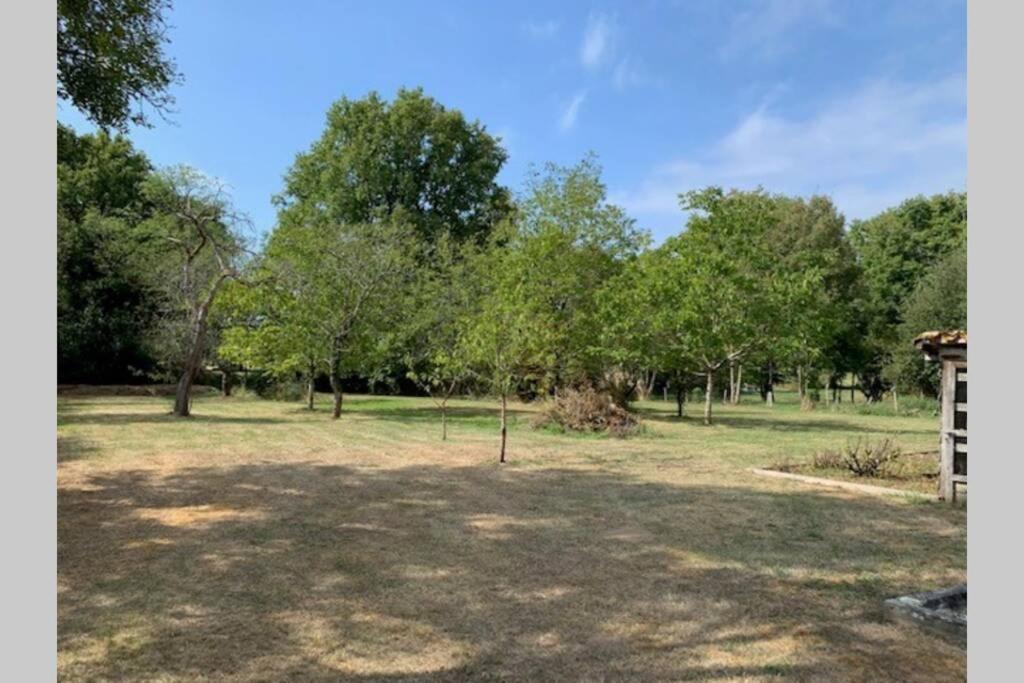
(110, 59)
(413, 154)
(897, 247)
(938, 302)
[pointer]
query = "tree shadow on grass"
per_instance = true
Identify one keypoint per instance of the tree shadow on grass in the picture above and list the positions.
(432, 413)
(71, 448)
(773, 424)
(308, 571)
(100, 418)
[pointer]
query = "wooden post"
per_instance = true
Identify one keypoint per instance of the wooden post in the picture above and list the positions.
(947, 443)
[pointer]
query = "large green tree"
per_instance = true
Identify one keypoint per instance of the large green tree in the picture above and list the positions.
(110, 59)
(411, 154)
(106, 303)
(720, 290)
(342, 293)
(895, 250)
(570, 243)
(809, 239)
(938, 302)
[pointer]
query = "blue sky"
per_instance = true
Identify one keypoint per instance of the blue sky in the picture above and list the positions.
(864, 101)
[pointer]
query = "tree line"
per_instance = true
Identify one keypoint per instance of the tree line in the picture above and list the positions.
(399, 258)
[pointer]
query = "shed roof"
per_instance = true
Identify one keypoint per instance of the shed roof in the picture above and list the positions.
(937, 342)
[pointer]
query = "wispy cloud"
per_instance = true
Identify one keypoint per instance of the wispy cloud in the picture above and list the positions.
(868, 150)
(597, 40)
(541, 30)
(631, 72)
(572, 110)
(765, 30)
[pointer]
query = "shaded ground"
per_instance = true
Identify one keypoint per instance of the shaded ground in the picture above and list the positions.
(912, 472)
(261, 542)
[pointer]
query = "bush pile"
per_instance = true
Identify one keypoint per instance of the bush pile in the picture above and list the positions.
(587, 410)
(865, 459)
(828, 460)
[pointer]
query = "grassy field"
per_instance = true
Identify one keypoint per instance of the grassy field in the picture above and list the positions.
(258, 541)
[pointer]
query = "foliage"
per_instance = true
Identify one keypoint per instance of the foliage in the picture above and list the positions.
(444, 295)
(110, 60)
(413, 155)
(809, 239)
(203, 246)
(331, 295)
(106, 301)
(624, 345)
(717, 291)
(895, 250)
(100, 172)
(938, 302)
(495, 337)
(569, 243)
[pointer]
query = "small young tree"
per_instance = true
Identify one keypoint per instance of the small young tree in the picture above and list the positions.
(714, 292)
(194, 216)
(346, 285)
(572, 242)
(267, 325)
(808, 245)
(446, 290)
(496, 336)
(624, 343)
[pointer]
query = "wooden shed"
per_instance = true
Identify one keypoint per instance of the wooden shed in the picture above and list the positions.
(949, 347)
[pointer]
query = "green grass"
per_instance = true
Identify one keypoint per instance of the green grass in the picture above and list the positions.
(258, 540)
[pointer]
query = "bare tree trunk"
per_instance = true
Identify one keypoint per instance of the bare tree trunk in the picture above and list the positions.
(183, 394)
(732, 382)
(444, 420)
(739, 384)
(310, 387)
(225, 383)
(707, 397)
(853, 385)
(680, 396)
(801, 378)
(335, 376)
(895, 400)
(771, 384)
(504, 427)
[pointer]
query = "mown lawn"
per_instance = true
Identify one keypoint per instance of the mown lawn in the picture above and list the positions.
(258, 541)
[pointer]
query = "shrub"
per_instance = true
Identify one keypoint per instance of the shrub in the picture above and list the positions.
(587, 410)
(274, 388)
(827, 460)
(785, 464)
(865, 459)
